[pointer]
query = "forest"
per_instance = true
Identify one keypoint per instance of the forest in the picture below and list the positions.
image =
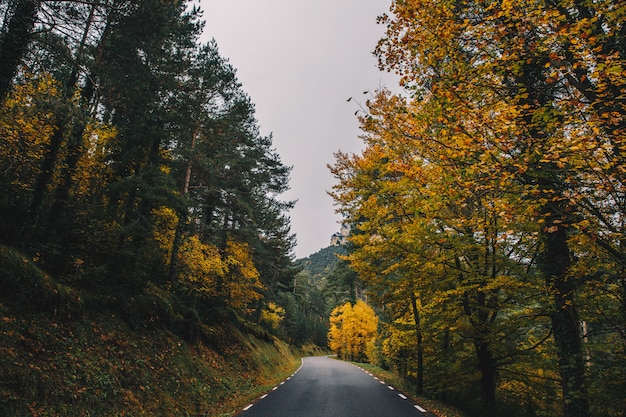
(146, 256)
(136, 195)
(130, 154)
(141, 211)
(488, 204)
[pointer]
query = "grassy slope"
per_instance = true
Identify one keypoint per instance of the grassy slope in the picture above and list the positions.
(61, 356)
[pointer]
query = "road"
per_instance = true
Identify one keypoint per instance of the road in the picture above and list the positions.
(325, 387)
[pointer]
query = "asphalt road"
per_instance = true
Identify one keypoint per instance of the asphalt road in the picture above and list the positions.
(325, 387)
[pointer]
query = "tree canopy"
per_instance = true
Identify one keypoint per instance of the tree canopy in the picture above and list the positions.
(131, 157)
(489, 197)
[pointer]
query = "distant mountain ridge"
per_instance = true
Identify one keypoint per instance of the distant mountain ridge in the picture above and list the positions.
(321, 263)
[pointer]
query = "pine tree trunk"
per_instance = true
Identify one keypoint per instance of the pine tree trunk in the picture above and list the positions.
(15, 41)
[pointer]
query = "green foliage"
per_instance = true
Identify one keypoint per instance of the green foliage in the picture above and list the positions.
(137, 197)
(31, 288)
(319, 264)
(323, 282)
(132, 158)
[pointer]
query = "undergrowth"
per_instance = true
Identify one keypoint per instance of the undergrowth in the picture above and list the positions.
(67, 352)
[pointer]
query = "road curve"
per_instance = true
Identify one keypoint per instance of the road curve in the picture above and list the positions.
(325, 387)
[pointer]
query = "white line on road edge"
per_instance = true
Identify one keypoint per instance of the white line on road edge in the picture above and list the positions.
(390, 387)
(248, 407)
(402, 396)
(263, 396)
(419, 408)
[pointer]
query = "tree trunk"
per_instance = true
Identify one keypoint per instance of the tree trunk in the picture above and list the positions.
(419, 389)
(15, 41)
(46, 175)
(554, 264)
(476, 311)
(182, 216)
(488, 373)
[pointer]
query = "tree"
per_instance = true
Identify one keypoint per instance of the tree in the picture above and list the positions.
(17, 32)
(146, 160)
(352, 327)
(502, 115)
(422, 234)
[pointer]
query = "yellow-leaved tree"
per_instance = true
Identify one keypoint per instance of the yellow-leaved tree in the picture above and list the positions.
(241, 284)
(201, 267)
(352, 327)
(494, 189)
(272, 315)
(228, 275)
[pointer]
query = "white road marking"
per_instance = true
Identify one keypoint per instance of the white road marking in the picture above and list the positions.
(419, 408)
(402, 396)
(248, 407)
(390, 387)
(263, 396)
(274, 389)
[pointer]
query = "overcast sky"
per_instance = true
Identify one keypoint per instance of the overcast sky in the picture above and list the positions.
(299, 61)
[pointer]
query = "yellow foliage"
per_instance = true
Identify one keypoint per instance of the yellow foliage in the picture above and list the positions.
(352, 328)
(242, 284)
(90, 168)
(27, 122)
(511, 128)
(207, 271)
(165, 222)
(202, 266)
(272, 315)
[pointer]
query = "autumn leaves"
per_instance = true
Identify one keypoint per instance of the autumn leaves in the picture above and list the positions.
(353, 329)
(491, 190)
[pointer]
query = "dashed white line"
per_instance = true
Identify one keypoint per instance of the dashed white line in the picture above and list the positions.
(263, 396)
(404, 397)
(248, 407)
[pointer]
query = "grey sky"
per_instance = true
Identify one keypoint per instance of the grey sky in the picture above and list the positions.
(300, 60)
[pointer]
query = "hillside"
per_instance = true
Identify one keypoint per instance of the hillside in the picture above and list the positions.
(70, 351)
(320, 264)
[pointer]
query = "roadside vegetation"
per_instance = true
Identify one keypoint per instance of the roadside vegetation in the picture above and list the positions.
(70, 352)
(401, 384)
